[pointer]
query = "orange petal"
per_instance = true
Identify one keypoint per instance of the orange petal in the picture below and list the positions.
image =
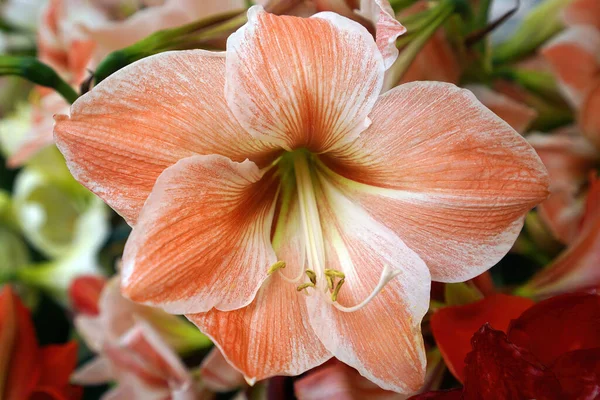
(57, 363)
(568, 157)
(392, 355)
(20, 369)
(176, 257)
(303, 82)
(516, 114)
(272, 335)
(340, 382)
(84, 293)
(448, 176)
(590, 114)
(218, 375)
(581, 43)
(577, 267)
(387, 27)
(583, 12)
(146, 117)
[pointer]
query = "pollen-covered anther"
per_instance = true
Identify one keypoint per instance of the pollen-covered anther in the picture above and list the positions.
(305, 286)
(311, 275)
(277, 266)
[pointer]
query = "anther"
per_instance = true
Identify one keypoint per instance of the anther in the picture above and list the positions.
(334, 273)
(304, 286)
(312, 276)
(329, 282)
(334, 295)
(276, 266)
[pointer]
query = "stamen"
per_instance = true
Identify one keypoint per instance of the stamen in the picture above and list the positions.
(334, 295)
(329, 282)
(304, 286)
(278, 265)
(387, 275)
(334, 273)
(312, 276)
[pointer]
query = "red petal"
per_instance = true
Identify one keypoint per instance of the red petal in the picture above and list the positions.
(579, 374)
(85, 294)
(558, 325)
(454, 394)
(453, 327)
(57, 362)
(499, 370)
(22, 365)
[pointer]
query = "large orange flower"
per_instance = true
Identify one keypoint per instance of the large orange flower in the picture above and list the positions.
(281, 152)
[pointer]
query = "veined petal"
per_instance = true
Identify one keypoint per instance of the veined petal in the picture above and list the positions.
(176, 256)
(453, 327)
(516, 114)
(450, 178)
(146, 117)
(364, 250)
(303, 82)
(387, 27)
(272, 336)
(581, 43)
(583, 12)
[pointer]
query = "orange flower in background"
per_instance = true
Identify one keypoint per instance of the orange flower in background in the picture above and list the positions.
(287, 207)
(28, 371)
(583, 12)
(579, 80)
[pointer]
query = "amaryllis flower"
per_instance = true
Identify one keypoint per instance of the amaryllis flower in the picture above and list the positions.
(551, 352)
(569, 158)
(579, 80)
(28, 371)
(144, 366)
(582, 12)
(290, 210)
(575, 268)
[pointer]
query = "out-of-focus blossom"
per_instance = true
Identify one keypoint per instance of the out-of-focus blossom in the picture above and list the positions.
(349, 196)
(338, 381)
(577, 267)
(569, 158)
(218, 375)
(453, 327)
(28, 371)
(580, 80)
(24, 14)
(551, 352)
(144, 366)
(583, 12)
(115, 315)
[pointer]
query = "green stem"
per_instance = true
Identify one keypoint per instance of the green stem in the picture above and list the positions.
(37, 72)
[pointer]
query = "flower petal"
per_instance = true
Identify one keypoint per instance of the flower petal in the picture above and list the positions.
(496, 369)
(516, 114)
(387, 27)
(57, 363)
(447, 175)
(339, 381)
(303, 82)
(579, 373)
(84, 293)
(392, 356)
(589, 115)
(583, 12)
(176, 257)
(146, 117)
(568, 157)
(218, 375)
(94, 372)
(581, 43)
(271, 336)
(557, 325)
(453, 327)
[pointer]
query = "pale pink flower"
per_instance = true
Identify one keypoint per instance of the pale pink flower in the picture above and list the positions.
(282, 150)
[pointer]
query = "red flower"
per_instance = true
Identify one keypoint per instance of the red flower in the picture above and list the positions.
(28, 371)
(551, 352)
